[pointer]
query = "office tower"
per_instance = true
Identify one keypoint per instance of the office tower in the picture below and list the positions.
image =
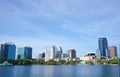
(60, 50)
(71, 53)
(10, 50)
(98, 54)
(51, 52)
(28, 52)
(24, 53)
(42, 55)
(103, 47)
(113, 51)
(20, 53)
(2, 51)
(59, 53)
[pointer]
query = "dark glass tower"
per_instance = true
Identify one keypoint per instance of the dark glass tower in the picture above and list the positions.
(10, 50)
(2, 51)
(103, 46)
(28, 52)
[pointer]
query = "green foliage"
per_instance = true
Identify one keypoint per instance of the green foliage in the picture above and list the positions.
(99, 61)
(114, 61)
(73, 62)
(61, 62)
(14, 62)
(34, 61)
(27, 62)
(109, 61)
(41, 61)
(67, 62)
(89, 62)
(2, 60)
(51, 62)
(20, 62)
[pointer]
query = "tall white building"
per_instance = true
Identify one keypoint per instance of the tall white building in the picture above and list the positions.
(51, 52)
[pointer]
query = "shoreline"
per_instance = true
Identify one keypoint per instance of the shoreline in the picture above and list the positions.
(66, 65)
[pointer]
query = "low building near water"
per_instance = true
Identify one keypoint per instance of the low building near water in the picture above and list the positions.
(88, 57)
(82, 62)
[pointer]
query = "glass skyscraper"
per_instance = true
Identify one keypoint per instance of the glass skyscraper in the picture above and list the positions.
(2, 51)
(10, 51)
(103, 47)
(28, 52)
(24, 53)
(20, 53)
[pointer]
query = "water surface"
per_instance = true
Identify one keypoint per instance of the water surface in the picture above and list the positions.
(60, 71)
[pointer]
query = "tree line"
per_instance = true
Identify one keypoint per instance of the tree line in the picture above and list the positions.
(38, 61)
(60, 62)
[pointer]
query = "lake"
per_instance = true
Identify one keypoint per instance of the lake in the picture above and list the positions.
(60, 71)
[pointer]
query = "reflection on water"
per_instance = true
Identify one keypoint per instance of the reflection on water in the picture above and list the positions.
(110, 71)
(60, 71)
(48, 71)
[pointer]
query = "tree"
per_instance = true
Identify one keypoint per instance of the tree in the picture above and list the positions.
(61, 62)
(89, 62)
(41, 61)
(99, 61)
(73, 62)
(27, 62)
(14, 62)
(2, 60)
(34, 61)
(114, 61)
(51, 62)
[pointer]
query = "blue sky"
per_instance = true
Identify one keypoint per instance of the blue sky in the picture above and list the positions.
(67, 23)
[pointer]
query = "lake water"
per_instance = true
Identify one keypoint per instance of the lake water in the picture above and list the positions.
(60, 71)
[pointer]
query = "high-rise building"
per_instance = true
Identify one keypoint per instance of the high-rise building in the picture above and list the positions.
(42, 55)
(20, 53)
(71, 53)
(10, 50)
(60, 50)
(28, 52)
(113, 51)
(59, 53)
(51, 52)
(24, 53)
(98, 54)
(103, 47)
(2, 51)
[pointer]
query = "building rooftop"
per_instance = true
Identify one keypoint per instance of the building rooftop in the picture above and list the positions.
(10, 43)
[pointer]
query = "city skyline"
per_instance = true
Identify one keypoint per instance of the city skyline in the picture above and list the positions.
(66, 23)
